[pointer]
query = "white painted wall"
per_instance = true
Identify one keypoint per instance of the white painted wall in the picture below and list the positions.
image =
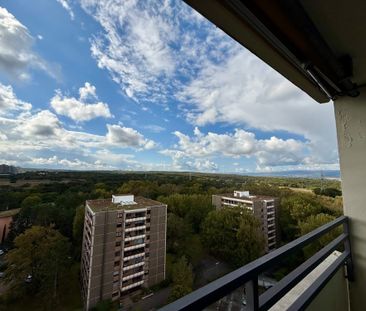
(350, 114)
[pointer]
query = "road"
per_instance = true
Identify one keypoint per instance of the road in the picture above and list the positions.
(159, 299)
(235, 301)
(232, 302)
(210, 269)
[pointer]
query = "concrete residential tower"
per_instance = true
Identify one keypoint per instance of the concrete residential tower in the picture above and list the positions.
(124, 247)
(264, 209)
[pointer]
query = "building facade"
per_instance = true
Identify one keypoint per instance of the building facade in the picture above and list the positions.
(124, 247)
(6, 218)
(264, 208)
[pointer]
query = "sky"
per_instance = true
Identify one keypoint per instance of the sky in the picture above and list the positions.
(147, 85)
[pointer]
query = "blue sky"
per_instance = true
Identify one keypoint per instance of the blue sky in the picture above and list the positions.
(146, 85)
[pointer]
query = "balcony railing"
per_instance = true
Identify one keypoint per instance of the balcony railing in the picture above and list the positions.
(248, 275)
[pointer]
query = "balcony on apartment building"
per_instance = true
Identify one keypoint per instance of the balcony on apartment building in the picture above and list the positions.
(319, 46)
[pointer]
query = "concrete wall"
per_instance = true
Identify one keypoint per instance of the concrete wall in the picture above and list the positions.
(157, 245)
(334, 296)
(102, 261)
(350, 114)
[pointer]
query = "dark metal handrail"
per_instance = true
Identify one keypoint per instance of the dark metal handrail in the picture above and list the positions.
(248, 274)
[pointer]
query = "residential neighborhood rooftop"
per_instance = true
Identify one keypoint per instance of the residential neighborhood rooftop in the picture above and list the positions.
(250, 198)
(101, 205)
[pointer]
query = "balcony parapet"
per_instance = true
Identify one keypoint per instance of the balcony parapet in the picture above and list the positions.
(248, 274)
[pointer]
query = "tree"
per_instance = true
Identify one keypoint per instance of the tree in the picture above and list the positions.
(43, 214)
(77, 230)
(293, 209)
(146, 189)
(219, 232)
(177, 232)
(228, 231)
(250, 240)
(41, 254)
(31, 201)
(193, 249)
(104, 305)
(182, 277)
(192, 207)
(329, 192)
(313, 222)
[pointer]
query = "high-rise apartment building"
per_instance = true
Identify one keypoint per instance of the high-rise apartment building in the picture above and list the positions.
(264, 208)
(124, 247)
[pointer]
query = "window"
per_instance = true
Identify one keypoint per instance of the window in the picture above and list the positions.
(115, 294)
(118, 243)
(119, 225)
(120, 215)
(117, 254)
(119, 233)
(117, 263)
(115, 273)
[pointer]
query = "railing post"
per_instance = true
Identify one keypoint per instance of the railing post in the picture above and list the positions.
(251, 294)
(347, 247)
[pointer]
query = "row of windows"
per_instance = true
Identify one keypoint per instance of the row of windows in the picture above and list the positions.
(134, 280)
(120, 215)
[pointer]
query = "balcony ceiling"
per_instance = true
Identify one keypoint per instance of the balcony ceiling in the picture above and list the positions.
(319, 46)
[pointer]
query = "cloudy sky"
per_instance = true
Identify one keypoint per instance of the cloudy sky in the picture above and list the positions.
(146, 85)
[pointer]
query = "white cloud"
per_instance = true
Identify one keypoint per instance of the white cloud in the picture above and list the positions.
(267, 152)
(180, 56)
(43, 124)
(26, 137)
(30, 137)
(134, 48)
(182, 161)
(78, 109)
(9, 102)
(16, 54)
(150, 47)
(44, 131)
(73, 164)
(66, 5)
(125, 136)
(154, 128)
(243, 90)
(279, 152)
(88, 91)
(233, 145)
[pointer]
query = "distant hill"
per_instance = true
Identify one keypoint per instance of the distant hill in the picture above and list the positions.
(302, 174)
(329, 174)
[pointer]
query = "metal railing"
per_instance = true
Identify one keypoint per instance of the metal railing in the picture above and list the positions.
(248, 274)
